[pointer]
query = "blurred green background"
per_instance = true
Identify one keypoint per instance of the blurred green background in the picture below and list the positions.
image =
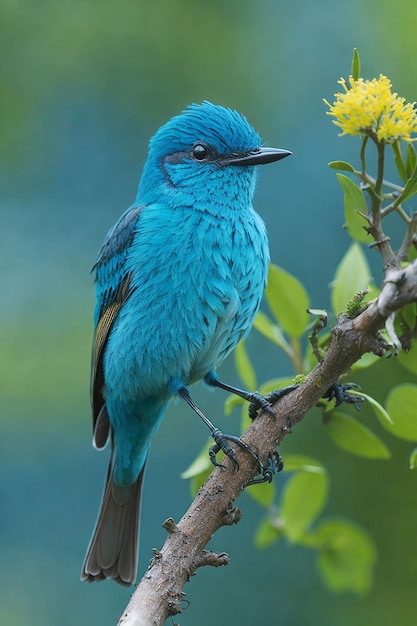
(83, 85)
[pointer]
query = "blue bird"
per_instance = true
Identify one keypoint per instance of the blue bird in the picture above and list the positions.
(179, 280)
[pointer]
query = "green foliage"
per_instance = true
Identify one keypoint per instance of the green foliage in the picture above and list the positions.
(409, 190)
(346, 554)
(409, 360)
(352, 275)
(402, 407)
(288, 301)
(346, 557)
(356, 65)
(352, 436)
(399, 161)
(377, 408)
(365, 361)
(408, 315)
(268, 532)
(303, 499)
(271, 331)
(199, 470)
(411, 162)
(344, 166)
(355, 209)
(244, 366)
(355, 306)
(263, 494)
(413, 459)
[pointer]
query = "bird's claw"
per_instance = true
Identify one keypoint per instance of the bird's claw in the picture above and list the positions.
(340, 393)
(274, 465)
(264, 403)
(222, 443)
(267, 472)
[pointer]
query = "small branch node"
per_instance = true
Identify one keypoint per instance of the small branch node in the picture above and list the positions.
(174, 603)
(157, 554)
(207, 557)
(170, 526)
(232, 516)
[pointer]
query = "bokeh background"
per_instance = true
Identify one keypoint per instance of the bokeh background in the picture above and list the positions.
(83, 85)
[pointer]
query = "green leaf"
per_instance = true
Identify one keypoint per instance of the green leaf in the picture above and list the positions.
(231, 401)
(271, 331)
(354, 201)
(263, 494)
(270, 385)
(402, 406)
(409, 359)
(352, 275)
(365, 361)
(412, 254)
(347, 556)
(275, 383)
(356, 65)
(267, 534)
(341, 165)
(199, 470)
(295, 462)
(399, 161)
(200, 464)
(409, 314)
(198, 481)
(245, 420)
(244, 366)
(409, 190)
(321, 313)
(354, 437)
(413, 459)
(377, 408)
(288, 301)
(411, 162)
(303, 499)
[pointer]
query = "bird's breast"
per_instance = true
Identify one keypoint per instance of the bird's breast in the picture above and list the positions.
(198, 283)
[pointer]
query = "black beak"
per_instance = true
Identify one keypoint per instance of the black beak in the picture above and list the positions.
(257, 157)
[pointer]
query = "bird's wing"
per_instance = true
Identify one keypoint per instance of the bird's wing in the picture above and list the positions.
(113, 289)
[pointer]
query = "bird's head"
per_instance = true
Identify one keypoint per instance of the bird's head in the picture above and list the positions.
(204, 157)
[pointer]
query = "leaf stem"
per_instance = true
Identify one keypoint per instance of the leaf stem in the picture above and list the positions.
(408, 238)
(382, 242)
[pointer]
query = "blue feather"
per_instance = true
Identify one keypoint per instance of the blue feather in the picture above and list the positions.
(179, 280)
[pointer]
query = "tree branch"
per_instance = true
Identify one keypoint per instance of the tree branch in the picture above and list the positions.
(159, 594)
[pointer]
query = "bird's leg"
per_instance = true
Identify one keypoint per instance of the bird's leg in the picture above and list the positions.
(220, 439)
(274, 463)
(257, 402)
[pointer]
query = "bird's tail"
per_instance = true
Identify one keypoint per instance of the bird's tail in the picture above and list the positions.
(113, 550)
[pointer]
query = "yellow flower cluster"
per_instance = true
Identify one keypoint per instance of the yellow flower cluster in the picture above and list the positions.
(370, 106)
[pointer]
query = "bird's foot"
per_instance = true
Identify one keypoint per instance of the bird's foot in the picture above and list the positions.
(340, 393)
(273, 465)
(266, 472)
(222, 444)
(259, 403)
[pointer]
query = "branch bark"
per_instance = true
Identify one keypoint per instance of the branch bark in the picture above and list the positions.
(159, 593)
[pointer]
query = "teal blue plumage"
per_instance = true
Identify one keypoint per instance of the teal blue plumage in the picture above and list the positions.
(179, 280)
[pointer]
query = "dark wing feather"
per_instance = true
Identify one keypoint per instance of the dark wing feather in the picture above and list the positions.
(113, 289)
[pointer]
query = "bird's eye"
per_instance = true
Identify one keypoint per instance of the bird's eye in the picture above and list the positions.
(200, 152)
